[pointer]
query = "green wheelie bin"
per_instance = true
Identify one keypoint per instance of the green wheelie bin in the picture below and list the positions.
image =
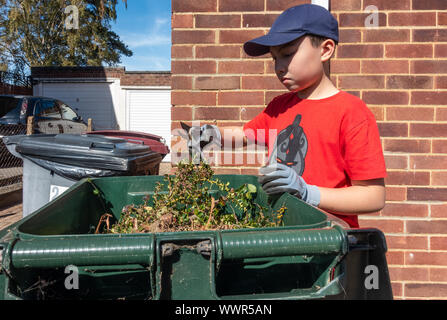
(54, 253)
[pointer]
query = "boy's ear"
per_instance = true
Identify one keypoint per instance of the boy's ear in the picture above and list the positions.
(185, 126)
(328, 47)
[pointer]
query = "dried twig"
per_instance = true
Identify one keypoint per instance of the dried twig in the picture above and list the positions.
(104, 218)
(211, 213)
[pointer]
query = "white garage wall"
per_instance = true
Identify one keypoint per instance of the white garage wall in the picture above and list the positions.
(149, 110)
(95, 100)
(112, 106)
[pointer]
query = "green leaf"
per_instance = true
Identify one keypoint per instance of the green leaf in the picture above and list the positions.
(252, 188)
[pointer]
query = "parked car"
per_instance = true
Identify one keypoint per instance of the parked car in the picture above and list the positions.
(50, 116)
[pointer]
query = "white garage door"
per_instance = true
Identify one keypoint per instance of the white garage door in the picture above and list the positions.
(90, 100)
(150, 111)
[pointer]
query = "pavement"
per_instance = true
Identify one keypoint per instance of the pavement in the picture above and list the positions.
(10, 215)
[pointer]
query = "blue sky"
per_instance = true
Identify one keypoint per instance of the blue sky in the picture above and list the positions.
(145, 26)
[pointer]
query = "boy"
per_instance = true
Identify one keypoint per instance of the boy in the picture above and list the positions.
(327, 151)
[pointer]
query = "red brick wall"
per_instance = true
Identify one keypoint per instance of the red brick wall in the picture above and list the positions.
(17, 90)
(130, 78)
(157, 79)
(399, 70)
(76, 72)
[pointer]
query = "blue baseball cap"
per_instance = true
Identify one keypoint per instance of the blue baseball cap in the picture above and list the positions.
(293, 23)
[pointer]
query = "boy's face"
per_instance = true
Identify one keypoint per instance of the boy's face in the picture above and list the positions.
(298, 64)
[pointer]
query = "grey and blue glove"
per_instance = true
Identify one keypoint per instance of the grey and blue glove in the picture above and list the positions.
(279, 178)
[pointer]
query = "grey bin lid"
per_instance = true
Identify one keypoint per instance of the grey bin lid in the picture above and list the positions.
(83, 150)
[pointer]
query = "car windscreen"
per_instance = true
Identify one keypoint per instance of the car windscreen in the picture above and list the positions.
(8, 104)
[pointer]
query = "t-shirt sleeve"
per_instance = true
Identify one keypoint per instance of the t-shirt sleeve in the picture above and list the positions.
(255, 129)
(362, 149)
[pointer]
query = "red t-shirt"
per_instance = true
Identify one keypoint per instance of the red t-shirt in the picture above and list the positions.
(329, 141)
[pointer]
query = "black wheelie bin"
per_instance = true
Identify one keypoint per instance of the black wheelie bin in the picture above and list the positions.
(54, 162)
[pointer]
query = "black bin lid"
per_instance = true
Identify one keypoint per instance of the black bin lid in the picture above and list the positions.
(83, 150)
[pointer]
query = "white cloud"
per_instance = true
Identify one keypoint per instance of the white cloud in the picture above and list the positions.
(158, 33)
(144, 40)
(149, 37)
(159, 23)
(147, 63)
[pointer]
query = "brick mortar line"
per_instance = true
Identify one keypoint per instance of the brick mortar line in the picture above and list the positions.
(409, 202)
(279, 12)
(427, 106)
(419, 250)
(265, 74)
(415, 122)
(217, 90)
(344, 89)
(400, 90)
(389, 11)
(412, 235)
(404, 219)
(421, 267)
(406, 106)
(389, 27)
(220, 45)
(410, 138)
(350, 28)
(442, 186)
(392, 58)
(405, 235)
(417, 170)
(422, 282)
(420, 171)
(422, 298)
(221, 59)
(416, 266)
(239, 106)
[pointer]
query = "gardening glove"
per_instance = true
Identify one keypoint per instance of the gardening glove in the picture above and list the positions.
(279, 178)
(200, 137)
(210, 134)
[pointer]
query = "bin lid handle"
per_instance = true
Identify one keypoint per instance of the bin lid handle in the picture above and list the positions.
(102, 145)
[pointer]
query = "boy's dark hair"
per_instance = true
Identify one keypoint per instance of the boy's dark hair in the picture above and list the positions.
(316, 40)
